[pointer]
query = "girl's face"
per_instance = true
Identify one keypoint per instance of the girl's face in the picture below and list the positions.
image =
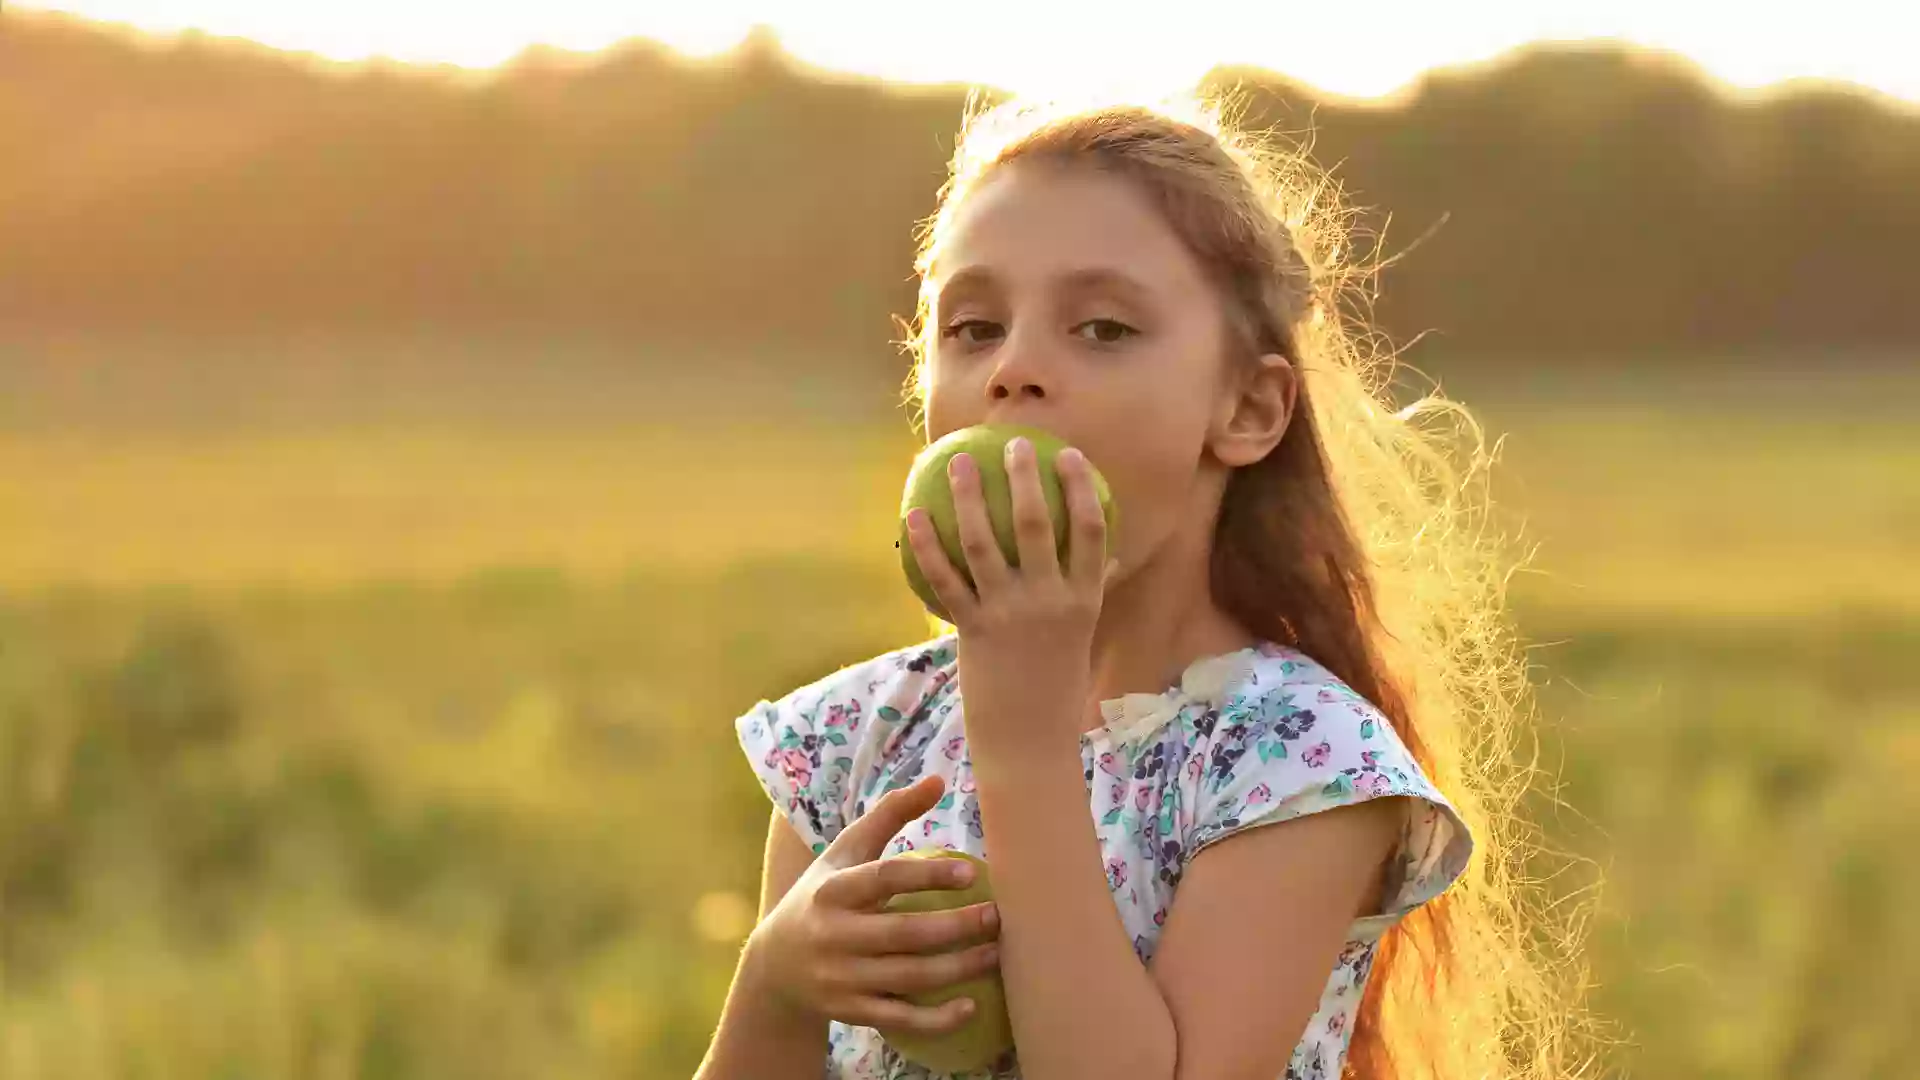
(1064, 300)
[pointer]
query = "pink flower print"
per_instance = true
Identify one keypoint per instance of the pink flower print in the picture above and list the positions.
(1259, 795)
(1194, 765)
(1373, 784)
(1336, 1023)
(1317, 754)
(1141, 798)
(927, 827)
(966, 783)
(1370, 758)
(954, 746)
(1110, 764)
(794, 764)
(1116, 873)
(1117, 794)
(837, 716)
(1159, 916)
(1327, 696)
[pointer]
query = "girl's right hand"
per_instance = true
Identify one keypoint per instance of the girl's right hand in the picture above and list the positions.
(828, 952)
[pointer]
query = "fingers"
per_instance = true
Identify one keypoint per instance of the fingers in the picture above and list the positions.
(1032, 519)
(952, 590)
(908, 974)
(866, 886)
(1087, 525)
(868, 934)
(865, 840)
(986, 563)
(892, 1014)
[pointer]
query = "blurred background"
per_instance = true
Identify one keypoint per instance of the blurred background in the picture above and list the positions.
(410, 465)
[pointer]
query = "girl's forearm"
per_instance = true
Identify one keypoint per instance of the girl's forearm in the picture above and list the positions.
(757, 1040)
(1082, 1003)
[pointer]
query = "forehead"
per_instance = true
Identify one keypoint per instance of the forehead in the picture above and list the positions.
(1030, 223)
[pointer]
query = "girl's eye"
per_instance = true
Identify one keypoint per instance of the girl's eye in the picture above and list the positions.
(960, 329)
(1106, 331)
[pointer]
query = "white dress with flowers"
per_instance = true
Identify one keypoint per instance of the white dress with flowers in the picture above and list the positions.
(1249, 738)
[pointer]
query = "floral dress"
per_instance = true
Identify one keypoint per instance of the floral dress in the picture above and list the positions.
(1249, 738)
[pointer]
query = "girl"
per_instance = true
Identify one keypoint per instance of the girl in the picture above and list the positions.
(1241, 788)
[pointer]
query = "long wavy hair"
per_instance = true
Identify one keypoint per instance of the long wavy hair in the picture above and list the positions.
(1364, 539)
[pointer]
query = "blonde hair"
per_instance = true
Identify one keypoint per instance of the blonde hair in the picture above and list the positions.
(1364, 539)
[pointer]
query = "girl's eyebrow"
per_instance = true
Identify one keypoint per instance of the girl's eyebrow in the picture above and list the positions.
(1082, 280)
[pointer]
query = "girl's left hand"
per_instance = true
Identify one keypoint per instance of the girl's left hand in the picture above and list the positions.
(1026, 631)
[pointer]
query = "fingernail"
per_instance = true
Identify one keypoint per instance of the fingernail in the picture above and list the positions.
(966, 1006)
(1017, 446)
(960, 873)
(990, 954)
(991, 916)
(959, 465)
(1072, 456)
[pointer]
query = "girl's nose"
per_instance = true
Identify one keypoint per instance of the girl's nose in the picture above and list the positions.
(1019, 373)
(1006, 390)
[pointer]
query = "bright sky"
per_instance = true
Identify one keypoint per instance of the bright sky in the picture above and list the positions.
(1355, 47)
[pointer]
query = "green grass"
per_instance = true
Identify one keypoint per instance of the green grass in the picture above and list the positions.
(402, 751)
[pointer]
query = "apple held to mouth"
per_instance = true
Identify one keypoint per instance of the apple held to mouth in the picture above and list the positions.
(928, 488)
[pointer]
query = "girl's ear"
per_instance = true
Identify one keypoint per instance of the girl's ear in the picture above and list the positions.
(1256, 407)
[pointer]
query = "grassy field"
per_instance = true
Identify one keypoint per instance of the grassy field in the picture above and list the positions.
(399, 748)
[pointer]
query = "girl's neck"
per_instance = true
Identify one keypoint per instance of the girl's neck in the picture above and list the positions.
(1157, 621)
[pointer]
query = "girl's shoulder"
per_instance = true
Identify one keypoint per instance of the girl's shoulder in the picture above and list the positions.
(1269, 735)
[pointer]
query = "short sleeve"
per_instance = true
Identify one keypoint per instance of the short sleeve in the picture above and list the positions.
(813, 749)
(1303, 747)
(802, 749)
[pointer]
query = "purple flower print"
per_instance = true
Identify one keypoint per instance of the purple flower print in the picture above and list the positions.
(1168, 868)
(1293, 723)
(1151, 763)
(1231, 747)
(1317, 754)
(955, 746)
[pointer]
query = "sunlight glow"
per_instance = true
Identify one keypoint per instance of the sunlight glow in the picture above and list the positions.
(1358, 51)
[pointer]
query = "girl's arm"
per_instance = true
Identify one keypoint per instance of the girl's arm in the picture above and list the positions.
(755, 1040)
(1256, 930)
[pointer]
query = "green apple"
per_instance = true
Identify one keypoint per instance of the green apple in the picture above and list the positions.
(928, 488)
(988, 1033)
